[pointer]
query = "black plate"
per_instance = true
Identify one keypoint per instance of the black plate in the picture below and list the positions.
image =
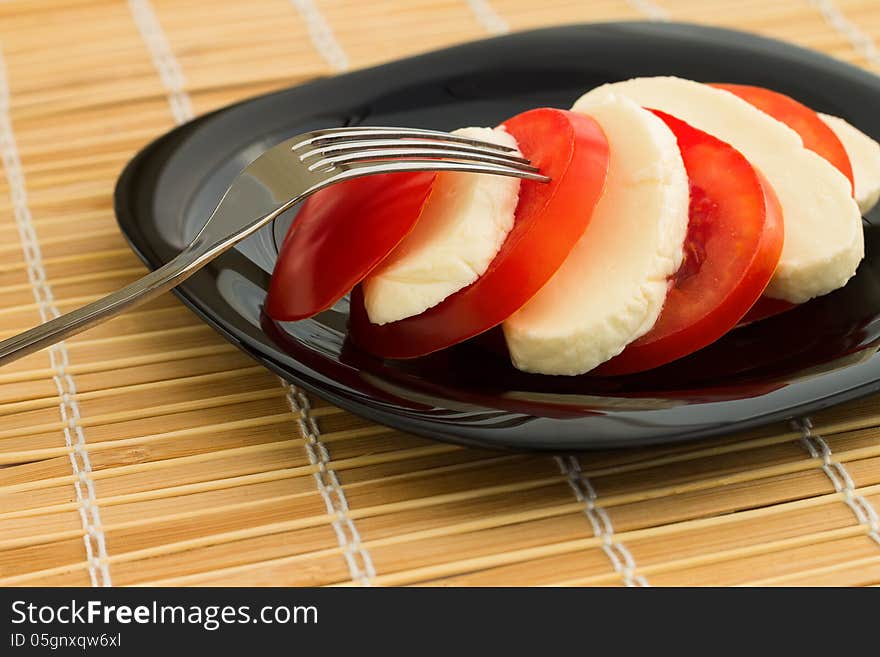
(819, 354)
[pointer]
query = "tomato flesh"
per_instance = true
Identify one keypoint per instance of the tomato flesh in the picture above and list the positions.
(550, 217)
(816, 135)
(339, 235)
(814, 132)
(731, 250)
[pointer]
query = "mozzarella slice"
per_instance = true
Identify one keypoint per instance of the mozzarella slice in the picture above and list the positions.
(864, 156)
(610, 289)
(463, 225)
(823, 229)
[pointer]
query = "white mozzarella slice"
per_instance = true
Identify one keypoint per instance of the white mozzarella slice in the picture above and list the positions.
(864, 156)
(463, 225)
(611, 288)
(823, 230)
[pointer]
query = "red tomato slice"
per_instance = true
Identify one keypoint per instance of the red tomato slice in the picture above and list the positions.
(550, 217)
(817, 136)
(732, 247)
(338, 236)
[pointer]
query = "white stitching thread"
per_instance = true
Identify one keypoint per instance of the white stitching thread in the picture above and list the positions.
(621, 558)
(164, 61)
(331, 490)
(840, 478)
(649, 9)
(74, 437)
(325, 478)
(619, 555)
(859, 40)
(488, 17)
(322, 35)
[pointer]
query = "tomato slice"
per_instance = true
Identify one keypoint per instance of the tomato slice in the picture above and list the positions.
(338, 236)
(816, 134)
(732, 247)
(550, 217)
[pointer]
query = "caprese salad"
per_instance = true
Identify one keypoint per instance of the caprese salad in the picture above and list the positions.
(675, 211)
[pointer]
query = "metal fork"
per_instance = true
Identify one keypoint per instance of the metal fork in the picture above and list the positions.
(277, 180)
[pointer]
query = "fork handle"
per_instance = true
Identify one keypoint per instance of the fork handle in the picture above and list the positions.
(76, 321)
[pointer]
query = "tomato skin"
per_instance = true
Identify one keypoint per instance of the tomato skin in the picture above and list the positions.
(816, 135)
(814, 132)
(733, 245)
(339, 235)
(570, 148)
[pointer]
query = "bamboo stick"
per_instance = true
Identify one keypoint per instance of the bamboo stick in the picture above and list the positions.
(75, 119)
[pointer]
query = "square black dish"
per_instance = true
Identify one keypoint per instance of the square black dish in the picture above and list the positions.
(816, 355)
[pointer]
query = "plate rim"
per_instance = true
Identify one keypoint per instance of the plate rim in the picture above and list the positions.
(425, 426)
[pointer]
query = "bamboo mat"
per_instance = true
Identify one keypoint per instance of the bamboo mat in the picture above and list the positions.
(150, 451)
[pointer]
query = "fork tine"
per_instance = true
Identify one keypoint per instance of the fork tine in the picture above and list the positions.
(373, 128)
(346, 134)
(374, 154)
(365, 144)
(359, 169)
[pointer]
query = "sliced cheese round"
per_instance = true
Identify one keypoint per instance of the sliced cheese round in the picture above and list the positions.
(611, 288)
(823, 229)
(864, 156)
(462, 226)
